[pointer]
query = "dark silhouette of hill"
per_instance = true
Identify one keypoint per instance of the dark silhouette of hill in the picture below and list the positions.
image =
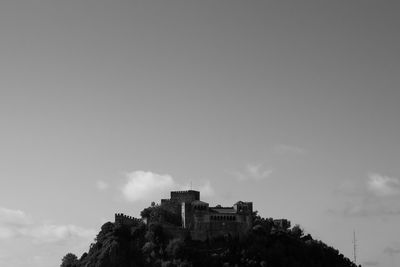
(266, 245)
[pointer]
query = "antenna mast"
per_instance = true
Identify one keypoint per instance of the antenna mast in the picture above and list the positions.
(354, 247)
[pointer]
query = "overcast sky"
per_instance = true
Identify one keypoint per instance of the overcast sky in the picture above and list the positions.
(106, 106)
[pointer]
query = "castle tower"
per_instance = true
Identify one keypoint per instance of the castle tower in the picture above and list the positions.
(185, 196)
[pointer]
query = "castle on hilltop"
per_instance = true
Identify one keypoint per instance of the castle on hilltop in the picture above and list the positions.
(201, 220)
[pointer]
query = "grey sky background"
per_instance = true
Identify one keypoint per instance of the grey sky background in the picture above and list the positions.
(291, 104)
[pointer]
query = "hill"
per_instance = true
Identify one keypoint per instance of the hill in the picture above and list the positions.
(265, 245)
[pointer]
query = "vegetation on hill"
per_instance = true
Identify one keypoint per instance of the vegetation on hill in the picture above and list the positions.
(266, 245)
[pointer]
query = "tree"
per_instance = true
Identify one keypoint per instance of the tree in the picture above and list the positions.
(146, 212)
(175, 248)
(69, 260)
(155, 234)
(297, 231)
(159, 214)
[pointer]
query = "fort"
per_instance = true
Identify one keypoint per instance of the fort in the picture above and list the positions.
(198, 218)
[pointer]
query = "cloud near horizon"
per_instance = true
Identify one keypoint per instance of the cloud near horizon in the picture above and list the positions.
(144, 185)
(377, 195)
(10, 216)
(17, 224)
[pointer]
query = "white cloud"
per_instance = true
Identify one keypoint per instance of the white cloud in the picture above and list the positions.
(383, 186)
(10, 216)
(253, 172)
(12, 221)
(16, 223)
(49, 233)
(101, 185)
(146, 186)
(377, 195)
(257, 171)
(289, 149)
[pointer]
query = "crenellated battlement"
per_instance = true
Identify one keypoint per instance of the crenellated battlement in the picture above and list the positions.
(122, 219)
(185, 196)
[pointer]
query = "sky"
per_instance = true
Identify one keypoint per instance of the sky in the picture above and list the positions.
(106, 106)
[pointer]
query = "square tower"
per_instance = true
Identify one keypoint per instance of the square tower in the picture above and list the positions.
(185, 196)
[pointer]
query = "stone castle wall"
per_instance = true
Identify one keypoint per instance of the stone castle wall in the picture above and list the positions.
(214, 225)
(122, 219)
